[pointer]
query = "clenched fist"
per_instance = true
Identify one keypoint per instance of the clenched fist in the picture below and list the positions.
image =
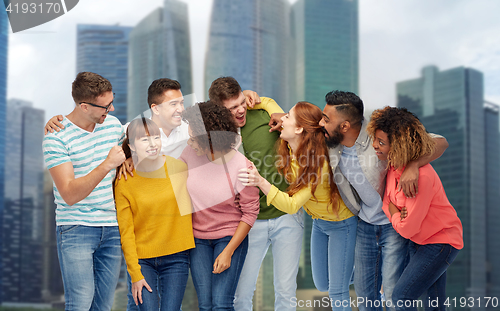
(115, 157)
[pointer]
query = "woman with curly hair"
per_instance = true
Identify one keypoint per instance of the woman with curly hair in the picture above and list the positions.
(224, 209)
(305, 165)
(428, 220)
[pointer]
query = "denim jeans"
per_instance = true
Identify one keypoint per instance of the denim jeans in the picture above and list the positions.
(425, 272)
(285, 234)
(215, 291)
(332, 258)
(90, 259)
(380, 258)
(167, 276)
(131, 306)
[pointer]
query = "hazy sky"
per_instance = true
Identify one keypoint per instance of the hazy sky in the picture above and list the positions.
(397, 38)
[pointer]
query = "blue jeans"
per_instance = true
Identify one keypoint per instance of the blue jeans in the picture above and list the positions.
(285, 234)
(332, 258)
(425, 272)
(90, 259)
(379, 259)
(215, 291)
(167, 276)
(131, 306)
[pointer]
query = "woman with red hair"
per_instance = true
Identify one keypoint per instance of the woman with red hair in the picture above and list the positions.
(304, 162)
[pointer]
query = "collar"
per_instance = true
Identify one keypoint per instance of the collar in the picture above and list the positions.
(363, 137)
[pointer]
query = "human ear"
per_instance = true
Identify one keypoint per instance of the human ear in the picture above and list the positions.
(154, 109)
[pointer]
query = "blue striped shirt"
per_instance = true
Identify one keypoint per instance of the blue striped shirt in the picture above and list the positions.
(85, 150)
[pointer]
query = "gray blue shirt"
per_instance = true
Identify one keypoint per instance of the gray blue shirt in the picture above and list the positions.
(371, 203)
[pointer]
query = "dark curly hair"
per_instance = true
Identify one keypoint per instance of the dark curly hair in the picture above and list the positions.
(408, 138)
(213, 126)
(347, 103)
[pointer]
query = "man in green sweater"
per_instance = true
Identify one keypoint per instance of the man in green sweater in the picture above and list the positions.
(273, 227)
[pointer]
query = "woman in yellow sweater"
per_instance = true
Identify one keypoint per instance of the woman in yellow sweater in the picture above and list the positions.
(304, 162)
(154, 217)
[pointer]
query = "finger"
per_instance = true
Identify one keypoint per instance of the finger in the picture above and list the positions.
(243, 171)
(148, 287)
(412, 192)
(244, 181)
(406, 191)
(416, 189)
(134, 294)
(140, 295)
(216, 265)
(60, 117)
(249, 102)
(275, 128)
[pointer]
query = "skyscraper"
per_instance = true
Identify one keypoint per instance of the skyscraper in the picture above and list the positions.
(3, 97)
(327, 42)
(159, 48)
(251, 41)
(492, 149)
(450, 103)
(103, 49)
(22, 219)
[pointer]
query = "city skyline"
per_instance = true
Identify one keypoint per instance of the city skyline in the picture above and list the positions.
(395, 43)
(451, 103)
(159, 48)
(257, 51)
(478, 274)
(103, 49)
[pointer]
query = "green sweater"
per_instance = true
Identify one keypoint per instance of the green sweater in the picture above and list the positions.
(260, 148)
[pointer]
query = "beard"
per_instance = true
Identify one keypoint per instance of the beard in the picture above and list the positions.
(335, 138)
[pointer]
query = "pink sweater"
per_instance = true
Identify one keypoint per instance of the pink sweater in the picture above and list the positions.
(431, 218)
(213, 189)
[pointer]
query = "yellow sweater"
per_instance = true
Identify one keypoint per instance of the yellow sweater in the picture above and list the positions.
(149, 208)
(317, 209)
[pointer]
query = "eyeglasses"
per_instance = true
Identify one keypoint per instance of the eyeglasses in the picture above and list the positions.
(103, 107)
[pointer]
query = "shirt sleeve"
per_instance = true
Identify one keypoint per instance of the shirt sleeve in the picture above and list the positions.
(269, 105)
(291, 204)
(127, 231)
(432, 135)
(416, 207)
(249, 204)
(122, 134)
(54, 151)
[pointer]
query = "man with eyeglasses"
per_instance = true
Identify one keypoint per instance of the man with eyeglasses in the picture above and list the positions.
(81, 159)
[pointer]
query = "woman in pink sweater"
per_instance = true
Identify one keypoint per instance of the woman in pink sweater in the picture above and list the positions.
(224, 209)
(428, 220)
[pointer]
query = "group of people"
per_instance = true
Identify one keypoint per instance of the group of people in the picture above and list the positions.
(192, 199)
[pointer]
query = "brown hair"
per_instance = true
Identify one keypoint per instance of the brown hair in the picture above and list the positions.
(224, 88)
(157, 89)
(312, 148)
(213, 126)
(408, 138)
(88, 86)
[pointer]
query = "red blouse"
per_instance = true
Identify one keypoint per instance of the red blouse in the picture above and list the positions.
(431, 218)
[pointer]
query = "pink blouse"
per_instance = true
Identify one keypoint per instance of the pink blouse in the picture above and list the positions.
(431, 218)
